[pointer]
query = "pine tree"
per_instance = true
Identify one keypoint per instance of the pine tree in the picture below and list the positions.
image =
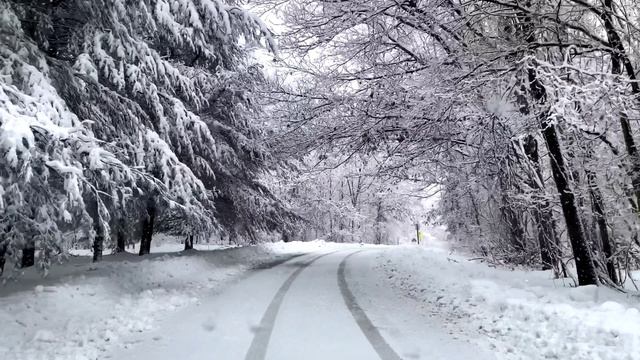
(110, 111)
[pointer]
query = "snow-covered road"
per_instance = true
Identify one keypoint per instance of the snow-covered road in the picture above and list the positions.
(322, 305)
(308, 301)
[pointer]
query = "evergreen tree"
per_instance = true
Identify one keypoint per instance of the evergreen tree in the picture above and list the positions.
(126, 113)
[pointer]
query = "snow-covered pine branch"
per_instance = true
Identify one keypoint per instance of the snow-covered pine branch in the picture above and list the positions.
(108, 117)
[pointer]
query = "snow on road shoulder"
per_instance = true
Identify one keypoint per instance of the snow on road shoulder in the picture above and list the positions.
(522, 315)
(81, 308)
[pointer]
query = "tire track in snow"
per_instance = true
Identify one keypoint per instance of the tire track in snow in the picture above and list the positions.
(370, 331)
(258, 348)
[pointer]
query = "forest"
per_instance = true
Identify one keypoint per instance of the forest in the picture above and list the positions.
(513, 123)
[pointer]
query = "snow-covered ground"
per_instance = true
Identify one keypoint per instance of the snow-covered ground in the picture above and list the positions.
(517, 314)
(80, 309)
(425, 302)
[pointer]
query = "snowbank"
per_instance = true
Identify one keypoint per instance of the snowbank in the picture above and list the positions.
(522, 315)
(81, 308)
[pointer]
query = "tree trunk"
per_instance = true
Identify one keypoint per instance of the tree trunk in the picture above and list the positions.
(93, 208)
(547, 238)
(515, 231)
(98, 242)
(3, 251)
(28, 256)
(601, 220)
(579, 245)
(352, 230)
(121, 241)
(147, 228)
(476, 212)
(188, 243)
(330, 207)
(379, 221)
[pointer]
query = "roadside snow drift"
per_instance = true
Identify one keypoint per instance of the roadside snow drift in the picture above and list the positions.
(521, 315)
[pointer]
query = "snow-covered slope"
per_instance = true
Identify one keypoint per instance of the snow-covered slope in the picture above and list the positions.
(516, 314)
